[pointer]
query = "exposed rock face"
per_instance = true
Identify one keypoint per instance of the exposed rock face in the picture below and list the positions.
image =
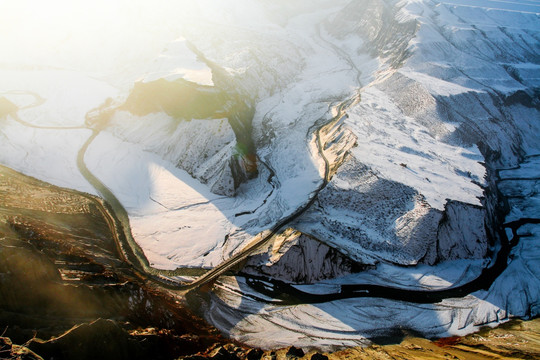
(387, 219)
(300, 258)
(244, 161)
(336, 142)
(462, 233)
(14, 351)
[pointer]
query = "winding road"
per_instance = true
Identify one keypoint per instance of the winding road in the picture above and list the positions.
(133, 254)
(285, 293)
(282, 293)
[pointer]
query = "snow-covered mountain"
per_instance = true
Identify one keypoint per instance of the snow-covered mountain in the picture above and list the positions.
(396, 136)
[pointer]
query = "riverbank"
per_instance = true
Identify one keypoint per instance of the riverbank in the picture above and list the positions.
(63, 282)
(64, 286)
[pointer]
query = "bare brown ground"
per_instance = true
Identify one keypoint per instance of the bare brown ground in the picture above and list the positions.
(66, 293)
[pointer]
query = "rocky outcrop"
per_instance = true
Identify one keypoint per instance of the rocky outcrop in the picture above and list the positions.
(300, 258)
(14, 351)
(60, 271)
(462, 233)
(240, 115)
(336, 141)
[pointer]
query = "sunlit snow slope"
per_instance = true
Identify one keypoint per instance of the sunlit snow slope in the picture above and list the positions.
(410, 128)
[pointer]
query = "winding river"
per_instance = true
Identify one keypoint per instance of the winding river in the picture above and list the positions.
(282, 293)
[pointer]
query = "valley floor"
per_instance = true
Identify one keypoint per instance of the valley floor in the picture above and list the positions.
(75, 272)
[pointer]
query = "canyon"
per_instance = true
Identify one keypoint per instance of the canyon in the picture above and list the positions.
(331, 173)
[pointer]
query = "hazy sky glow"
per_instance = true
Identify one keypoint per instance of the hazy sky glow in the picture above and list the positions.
(95, 36)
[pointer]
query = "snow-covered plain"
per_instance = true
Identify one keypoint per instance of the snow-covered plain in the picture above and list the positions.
(438, 85)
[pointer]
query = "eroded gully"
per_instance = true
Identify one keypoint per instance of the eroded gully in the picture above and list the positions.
(282, 293)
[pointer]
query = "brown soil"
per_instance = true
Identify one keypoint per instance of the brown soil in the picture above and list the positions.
(65, 293)
(60, 268)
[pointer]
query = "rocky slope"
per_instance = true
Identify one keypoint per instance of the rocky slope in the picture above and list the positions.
(425, 181)
(63, 290)
(64, 287)
(298, 258)
(433, 125)
(207, 131)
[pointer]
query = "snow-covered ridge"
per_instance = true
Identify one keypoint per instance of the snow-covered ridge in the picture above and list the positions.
(439, 116)
(191, 126)
(445, 93)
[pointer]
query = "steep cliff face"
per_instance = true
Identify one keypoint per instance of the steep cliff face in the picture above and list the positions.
(439, 97)
(437, 118)
(461, 234)
(336, 141)
(301, 259)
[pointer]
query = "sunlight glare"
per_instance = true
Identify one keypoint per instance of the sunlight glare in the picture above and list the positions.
(94, 36)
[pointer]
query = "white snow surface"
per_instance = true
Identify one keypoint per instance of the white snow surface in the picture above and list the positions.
(183, 62)
(288, 59)
(395, 125)
(389, 139)
(56, 102)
